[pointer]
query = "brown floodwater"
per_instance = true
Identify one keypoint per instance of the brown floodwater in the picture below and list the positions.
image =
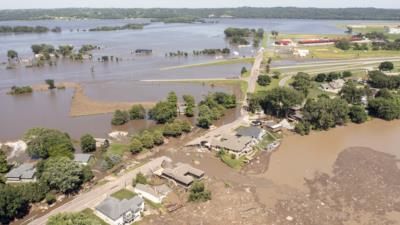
(51, 109)
(300, 157)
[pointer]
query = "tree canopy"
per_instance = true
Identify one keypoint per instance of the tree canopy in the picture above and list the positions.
(137, 112)
(71, 219)
(43, 143)
(88, 143)
(279, 100)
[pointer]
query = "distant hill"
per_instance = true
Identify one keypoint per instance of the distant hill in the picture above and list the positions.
(243, 12)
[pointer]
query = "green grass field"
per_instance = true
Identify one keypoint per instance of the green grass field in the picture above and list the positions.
(236, 163)
(123, 194)
(274, 83)
(90, 214)
(249, 60)
(117, 149)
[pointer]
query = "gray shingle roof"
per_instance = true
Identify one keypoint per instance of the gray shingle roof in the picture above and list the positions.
(183, 173)
(232, 143)
(114, 208)
(24, 171)
(82, 158)
(249, 131)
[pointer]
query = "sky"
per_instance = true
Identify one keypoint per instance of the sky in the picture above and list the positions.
(19, 4)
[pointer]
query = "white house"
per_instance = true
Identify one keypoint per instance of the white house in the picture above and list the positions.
(393, 30)
(120, 212)
(155, 194)
(301, 52)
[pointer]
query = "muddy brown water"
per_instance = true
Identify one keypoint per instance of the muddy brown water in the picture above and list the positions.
(51, 109)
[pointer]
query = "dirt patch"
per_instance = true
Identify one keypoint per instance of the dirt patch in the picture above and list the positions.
(229, 205)
(364, 187)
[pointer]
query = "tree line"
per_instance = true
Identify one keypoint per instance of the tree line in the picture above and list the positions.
(28, 29)
(243, 12)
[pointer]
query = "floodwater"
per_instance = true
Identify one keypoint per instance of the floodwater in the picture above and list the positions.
(121, 81)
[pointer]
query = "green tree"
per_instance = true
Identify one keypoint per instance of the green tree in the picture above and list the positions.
(136, 145)
(326, 113)
(50, 198)
(384, 93)
(263, 80)
(62, 174)
(302, 82)
(163, 112)
(172, 130)
(140, 178)
(387, 109)
(3, 162)
(386, 66)
(172, 99)
(87, 174)
(120, 117)
(278, 101)
(43, 142)
(243, 71)
(147, 139)
(321, 77)
(198, 192)
(357, 114)
(71, 219)
(302, 128)
(65, 50)
(88, 143)
(11, 54)
(158, 137)
(343, 44)
(346, 74)
(50, 83)
(332, 76)
(351, 93)
(190, 104)
(137, 112)
(184, 125)
(12, 204)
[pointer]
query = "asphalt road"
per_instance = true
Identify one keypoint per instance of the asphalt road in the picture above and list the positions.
(95, 196)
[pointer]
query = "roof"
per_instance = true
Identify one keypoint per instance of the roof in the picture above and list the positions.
(114, 208)
(24, 171)
(183, 173)
(82, 158)
(249, 131)
(233, 143)
(156, 191)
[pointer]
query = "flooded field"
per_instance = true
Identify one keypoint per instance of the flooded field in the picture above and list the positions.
(345, 176)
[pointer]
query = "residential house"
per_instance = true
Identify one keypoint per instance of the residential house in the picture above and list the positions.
(182, 174)
(295, 113)
(82, 158)
(23, 173)
(233, 144)
(334, 86)
(102, 142)
(120, 212)
(253, 132)
(301, 52)
(155, 194)
(393, 30)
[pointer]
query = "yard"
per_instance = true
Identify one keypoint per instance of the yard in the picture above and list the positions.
(123, 194)
(117, 149)
(235, 163)
(89, 213)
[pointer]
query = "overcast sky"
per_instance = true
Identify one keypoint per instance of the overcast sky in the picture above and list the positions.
(18, 4)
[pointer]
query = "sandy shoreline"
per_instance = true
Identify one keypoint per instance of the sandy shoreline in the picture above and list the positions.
(82, 105)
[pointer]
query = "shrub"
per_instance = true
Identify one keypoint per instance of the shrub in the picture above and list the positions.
(136, 146)
(120, 117)
(50, 198)
(88, 143)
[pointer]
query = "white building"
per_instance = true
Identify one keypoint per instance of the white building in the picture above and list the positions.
(155, 194)
(301, 52)
(393, 30)
(120, 212)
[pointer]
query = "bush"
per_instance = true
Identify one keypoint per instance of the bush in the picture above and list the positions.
(185, 125)
(321, 77)
(120, 117)
(302, 128)
(386, 66)
(50, 83)
(357, 114)
(147, 140)
(88, 143)
(137, 112)
(172, 130)
(263, 80)
(346, 74)
(158, 137)
(243, 71)
(343, 44)
(87, 174)
(136, 146)
(50, 198)
(140, 178)
(198, 193)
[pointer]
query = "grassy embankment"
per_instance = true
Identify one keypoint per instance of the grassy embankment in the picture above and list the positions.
(249, 60)
(123, 194)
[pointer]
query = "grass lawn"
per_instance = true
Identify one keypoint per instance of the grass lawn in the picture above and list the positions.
(245, 75)
(236, 164)
(267, 139)
(90, 214)
(331, 52)
(123, 194)
(274, 83)
(153, 205)
(214, 63)
(117, 149)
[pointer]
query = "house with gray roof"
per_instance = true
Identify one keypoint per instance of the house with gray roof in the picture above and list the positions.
(253, 132)
(120, 212)
(24, 173)
(82, 158)
(182, 174)
(237, 145)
